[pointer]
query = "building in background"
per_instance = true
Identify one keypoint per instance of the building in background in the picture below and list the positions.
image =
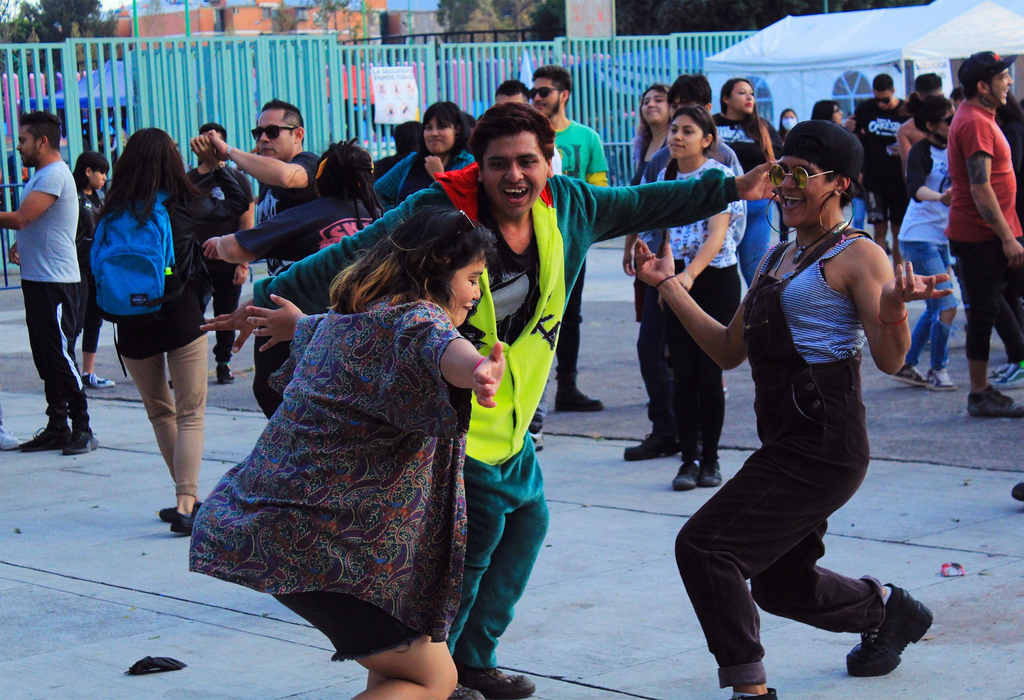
(351, 20)
(404, 17)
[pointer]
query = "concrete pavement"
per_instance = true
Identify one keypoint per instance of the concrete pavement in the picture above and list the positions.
(91, 581)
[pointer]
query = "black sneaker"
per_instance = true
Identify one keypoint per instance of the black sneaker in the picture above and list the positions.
(81, 441)
(710, 474)
(769, 694)
(906, 621)
(47, 439)
(993, 404)
(652, 447)
(181, 524)
(168, 515)
(570, 398)
(224, 375)
(686, 478)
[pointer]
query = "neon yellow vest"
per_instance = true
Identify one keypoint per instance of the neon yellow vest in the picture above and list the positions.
(496, 434)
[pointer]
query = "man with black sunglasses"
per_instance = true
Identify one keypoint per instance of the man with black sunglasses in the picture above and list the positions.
(877, 122)
(287, 176)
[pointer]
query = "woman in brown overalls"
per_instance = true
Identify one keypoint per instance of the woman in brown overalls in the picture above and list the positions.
(802, 326)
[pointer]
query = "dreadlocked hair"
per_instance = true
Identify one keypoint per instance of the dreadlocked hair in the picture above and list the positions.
(345, 171)
(416, 261)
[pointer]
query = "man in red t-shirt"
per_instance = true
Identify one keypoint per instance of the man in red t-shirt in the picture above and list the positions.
(984, 230)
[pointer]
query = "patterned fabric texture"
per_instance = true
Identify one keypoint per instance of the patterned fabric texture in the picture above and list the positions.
(355, 486)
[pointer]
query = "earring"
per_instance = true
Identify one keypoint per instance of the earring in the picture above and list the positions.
(768, 213)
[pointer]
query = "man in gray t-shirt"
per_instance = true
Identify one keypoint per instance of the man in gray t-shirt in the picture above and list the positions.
(46, 223)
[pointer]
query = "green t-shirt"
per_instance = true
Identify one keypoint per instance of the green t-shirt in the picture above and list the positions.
(581, 151)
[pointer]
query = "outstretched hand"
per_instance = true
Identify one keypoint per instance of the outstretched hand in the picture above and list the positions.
(487, 376)
(907, 286)
(652, 270)
(754, 184)
(277, 324)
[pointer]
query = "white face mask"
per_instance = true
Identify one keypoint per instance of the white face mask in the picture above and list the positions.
(788, 123)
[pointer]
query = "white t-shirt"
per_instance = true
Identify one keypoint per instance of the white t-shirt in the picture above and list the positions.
(47, 245)
(687, 240)
(925, 222)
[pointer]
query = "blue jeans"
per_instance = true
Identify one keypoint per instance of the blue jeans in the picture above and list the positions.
(860, 212)
(930, 259)
(755, 239)
(650, 350)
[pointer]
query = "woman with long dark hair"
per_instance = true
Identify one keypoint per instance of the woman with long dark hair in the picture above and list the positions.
(442, 147)
(802, 325)
(755, 142)
(705, 260)
(345, 203)
(166, 348)
(351, 508)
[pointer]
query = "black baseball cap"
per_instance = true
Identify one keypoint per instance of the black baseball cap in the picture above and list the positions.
(983, 65)
(827, 145)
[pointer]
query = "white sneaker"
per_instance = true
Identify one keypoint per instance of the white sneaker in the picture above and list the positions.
(1012, 378)
(938, 380)
(8, 441)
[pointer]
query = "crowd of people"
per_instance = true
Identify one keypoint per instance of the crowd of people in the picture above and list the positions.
(414, 309)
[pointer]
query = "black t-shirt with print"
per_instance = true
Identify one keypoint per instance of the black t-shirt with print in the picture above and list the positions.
(514, 283)
(877, 129)
(731, 133)
(303, 230)
(274, 200)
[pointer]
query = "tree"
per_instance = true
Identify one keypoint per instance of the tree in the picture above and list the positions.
(549, 20)
(55, 20)
(284, 20)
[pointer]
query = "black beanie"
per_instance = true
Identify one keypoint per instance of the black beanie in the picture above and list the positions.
(827, 145)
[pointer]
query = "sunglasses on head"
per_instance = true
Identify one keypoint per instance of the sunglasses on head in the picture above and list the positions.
(272, 131)
(778, 172)
(542, 91)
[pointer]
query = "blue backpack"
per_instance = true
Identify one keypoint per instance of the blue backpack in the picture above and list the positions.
(133, 264)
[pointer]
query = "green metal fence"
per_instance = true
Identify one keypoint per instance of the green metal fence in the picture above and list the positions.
(105, 89)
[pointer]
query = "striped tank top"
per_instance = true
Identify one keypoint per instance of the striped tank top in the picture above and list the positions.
(823, 322)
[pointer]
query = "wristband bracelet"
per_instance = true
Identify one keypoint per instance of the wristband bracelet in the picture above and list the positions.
(478, 363)
(881, 320)
(658, 285)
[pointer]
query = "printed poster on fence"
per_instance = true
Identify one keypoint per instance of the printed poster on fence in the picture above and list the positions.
(396, 96)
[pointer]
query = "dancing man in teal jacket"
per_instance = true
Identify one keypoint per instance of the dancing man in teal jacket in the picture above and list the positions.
(545, 225)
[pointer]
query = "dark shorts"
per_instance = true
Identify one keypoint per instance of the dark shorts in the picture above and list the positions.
(356, 628)
(887, 201)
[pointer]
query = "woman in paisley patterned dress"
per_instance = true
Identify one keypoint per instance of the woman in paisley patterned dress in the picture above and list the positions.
(705, 259)
(351, 508)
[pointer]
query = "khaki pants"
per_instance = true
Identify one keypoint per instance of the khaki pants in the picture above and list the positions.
(178, 420)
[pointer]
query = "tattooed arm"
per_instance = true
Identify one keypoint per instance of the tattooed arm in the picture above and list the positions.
(979, 169)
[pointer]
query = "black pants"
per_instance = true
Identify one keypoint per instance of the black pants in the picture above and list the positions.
(568, 349)
(266, 363)
(52, 315)
(225, 300)
(985, 276)
(698, 399)
(89, 312)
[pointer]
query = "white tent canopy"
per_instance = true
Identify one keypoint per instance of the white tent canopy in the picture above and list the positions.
(800, 60)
